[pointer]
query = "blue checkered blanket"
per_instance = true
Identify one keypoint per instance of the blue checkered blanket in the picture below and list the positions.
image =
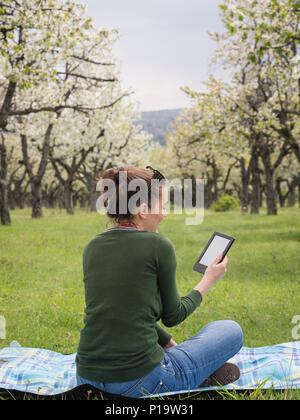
(47, 373)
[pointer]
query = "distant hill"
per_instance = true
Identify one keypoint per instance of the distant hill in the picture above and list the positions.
(157, 122)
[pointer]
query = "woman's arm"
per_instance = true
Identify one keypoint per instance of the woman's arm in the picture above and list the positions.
(212, 274)
(164, 338)
(175, 308)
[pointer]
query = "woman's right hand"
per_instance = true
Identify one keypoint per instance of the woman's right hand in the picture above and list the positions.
(215, 271)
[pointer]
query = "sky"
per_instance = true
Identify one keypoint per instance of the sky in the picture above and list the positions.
(163, 45)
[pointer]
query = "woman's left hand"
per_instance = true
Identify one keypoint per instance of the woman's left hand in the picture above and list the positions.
(170, 344)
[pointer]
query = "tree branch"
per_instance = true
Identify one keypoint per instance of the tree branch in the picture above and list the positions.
(78, 108)
(87, 60)
(81, 76)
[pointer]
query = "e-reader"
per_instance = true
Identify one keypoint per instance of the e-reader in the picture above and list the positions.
(218, 243)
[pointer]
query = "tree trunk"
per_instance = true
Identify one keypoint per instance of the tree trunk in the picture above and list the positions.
(51, 201)
(5, 108)
(4, 205)
(208, 193)
(256, 185)
(4, 113)
(71, 173)
(261, 194)
(11, 198)
(292, 193)
(93, 197)
(282, 197)
(244, 198)
(68, 195)
(36, 180)
(36, 200)
(270, 169)
(194, 191)
(216, 175)
(270, 191)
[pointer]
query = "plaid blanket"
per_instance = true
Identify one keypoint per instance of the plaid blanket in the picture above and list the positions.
(47, 373)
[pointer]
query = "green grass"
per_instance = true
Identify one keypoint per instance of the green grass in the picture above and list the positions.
(42, 296)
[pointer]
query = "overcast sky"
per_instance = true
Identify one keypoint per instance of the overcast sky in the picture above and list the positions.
(163, 45)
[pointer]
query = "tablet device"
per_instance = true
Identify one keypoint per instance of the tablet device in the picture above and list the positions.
(218, 243)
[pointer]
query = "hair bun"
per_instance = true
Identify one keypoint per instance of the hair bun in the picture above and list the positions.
(109, 174)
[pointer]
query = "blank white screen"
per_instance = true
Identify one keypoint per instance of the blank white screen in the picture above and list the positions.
(217, 246)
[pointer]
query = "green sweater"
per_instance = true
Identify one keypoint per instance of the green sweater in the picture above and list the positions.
(130, 284)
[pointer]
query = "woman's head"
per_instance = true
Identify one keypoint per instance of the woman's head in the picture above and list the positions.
(123, 206)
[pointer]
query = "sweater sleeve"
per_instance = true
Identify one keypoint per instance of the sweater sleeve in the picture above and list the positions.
(175, 308)
(163, 336)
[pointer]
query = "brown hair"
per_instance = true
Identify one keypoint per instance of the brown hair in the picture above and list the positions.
(132, 173)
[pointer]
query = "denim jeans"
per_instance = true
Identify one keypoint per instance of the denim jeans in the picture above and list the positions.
(184, 366)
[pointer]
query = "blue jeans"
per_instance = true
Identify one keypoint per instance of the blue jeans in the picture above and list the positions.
(184, 366)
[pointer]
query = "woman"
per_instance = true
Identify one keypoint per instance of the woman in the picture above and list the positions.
(130, 284)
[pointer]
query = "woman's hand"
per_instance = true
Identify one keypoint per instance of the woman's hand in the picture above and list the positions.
(214, 272)
(170, 344)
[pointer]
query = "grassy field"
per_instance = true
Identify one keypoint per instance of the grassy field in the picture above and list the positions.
(41, 289)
